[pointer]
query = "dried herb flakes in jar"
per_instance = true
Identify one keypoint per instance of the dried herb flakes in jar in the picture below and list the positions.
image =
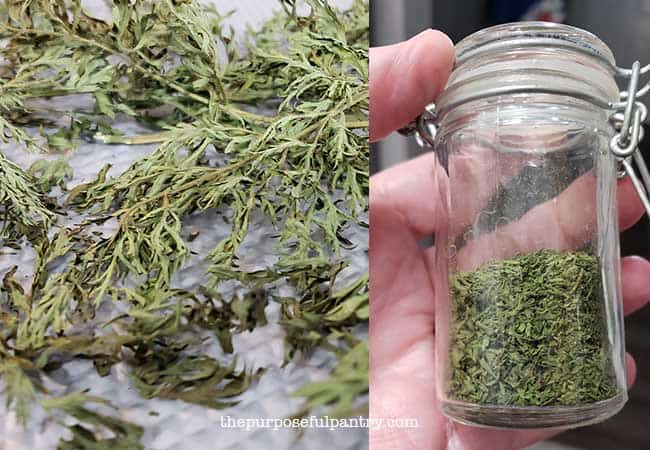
(528, 331)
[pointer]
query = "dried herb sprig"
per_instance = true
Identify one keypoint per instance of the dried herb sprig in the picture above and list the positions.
(323, 314)
(346, 385)
(529, 331)
(303, 165)
(23, 207)
(94, 431)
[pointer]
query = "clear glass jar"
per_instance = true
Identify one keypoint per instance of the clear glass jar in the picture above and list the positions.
(530, 334)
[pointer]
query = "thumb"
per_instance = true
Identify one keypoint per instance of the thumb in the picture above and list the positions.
(405, 77)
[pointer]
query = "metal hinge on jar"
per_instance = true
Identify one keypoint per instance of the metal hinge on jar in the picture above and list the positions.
(628, 122)
(423, 127)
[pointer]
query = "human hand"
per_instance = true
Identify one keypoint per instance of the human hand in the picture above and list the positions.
(404, 207)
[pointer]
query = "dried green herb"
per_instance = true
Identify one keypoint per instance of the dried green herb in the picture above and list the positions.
(20, 387)
(194, 379)
(346, 385)
(530, 331)
(175, 67)
(52, 173)
(323, 315)
(95, 431)
(23, 207)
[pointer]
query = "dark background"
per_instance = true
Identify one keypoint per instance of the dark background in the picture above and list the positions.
(625, 26)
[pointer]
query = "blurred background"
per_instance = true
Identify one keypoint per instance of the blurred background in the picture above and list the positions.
(625, 27)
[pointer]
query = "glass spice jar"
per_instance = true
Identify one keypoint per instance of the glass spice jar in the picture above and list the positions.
(532, 131)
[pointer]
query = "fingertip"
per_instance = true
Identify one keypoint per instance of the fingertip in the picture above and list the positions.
(630, 207)
(433, 56)
(635, 272)
(631, 370)
(410, 189)
(405, 77)
(438, 41)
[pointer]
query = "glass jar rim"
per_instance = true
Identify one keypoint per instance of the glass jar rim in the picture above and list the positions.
(534, 34)
(530, 58)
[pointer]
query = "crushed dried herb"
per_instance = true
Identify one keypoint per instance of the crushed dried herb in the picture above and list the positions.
(530, 331)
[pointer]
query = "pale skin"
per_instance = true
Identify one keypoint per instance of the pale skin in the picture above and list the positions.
(404, 207)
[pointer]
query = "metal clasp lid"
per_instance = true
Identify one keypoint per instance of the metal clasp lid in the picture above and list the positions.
(628, 122)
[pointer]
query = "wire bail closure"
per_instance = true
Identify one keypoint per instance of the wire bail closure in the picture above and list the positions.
(628, 122)
(423, 127)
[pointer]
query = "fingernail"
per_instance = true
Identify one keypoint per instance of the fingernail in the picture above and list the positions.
(429, 30)
(448, 39)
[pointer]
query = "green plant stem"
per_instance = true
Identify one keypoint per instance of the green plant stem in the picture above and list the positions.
(134, 140)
